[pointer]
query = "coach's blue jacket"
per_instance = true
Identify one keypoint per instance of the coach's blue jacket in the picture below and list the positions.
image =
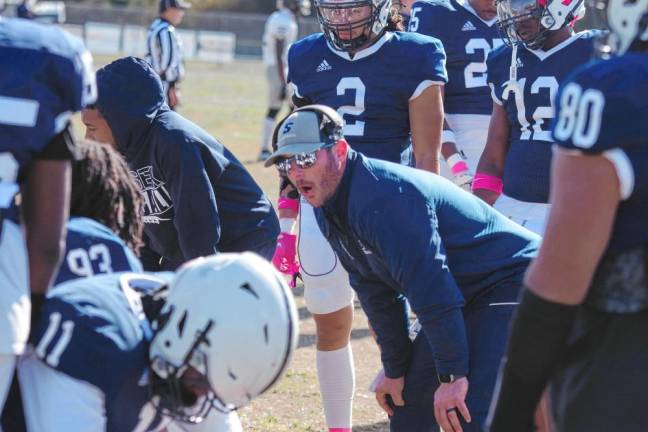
(405, 233)
(199, 199)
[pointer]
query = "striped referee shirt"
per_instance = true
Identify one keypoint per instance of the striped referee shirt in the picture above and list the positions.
(165, 52)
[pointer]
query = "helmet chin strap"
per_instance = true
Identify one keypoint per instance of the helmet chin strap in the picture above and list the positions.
(512, 84)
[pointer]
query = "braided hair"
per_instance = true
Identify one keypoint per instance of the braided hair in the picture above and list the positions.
(104, 190)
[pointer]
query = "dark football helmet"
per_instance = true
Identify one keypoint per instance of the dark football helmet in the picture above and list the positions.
(530, 21)
(350, 24)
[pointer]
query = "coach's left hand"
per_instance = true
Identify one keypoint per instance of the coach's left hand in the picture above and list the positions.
(449, 402)
(392, 387)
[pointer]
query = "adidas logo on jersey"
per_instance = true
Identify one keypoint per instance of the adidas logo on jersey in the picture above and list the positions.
(468, 26)
(324, 66)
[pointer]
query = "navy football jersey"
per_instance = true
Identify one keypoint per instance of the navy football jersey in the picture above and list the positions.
(529, 105)
(603, 109)
(467, 39)
(370, 90)
(91, 249)
(46, 76)
(95, 330)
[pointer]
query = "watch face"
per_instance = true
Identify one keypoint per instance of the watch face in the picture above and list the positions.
(446, 378)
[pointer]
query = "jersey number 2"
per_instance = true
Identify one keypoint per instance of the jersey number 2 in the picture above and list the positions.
(475, 72)
(355, 84)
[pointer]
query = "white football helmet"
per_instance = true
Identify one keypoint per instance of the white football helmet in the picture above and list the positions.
(515, 19)
(230, 317)
(626, 19)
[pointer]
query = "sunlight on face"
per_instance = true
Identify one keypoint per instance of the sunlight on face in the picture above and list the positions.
(97, 127)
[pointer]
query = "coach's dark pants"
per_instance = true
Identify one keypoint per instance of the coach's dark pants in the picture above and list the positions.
(487, 320)
(602, 384)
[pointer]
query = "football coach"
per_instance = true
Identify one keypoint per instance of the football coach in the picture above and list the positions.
(408, 235)
(198, 198)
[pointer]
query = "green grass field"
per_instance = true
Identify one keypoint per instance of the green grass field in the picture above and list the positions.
(229, 101)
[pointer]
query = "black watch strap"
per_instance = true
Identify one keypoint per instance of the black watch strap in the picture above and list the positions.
(448, 378)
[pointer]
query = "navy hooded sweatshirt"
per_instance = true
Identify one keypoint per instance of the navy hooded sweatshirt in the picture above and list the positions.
(199, 199)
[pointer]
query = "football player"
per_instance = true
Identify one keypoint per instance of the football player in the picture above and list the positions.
(581, 325)
(131, 352)
(386, 84)
(279, 33)
(468, 32)
(104, 231)
(541, 49)
(46, 76)
(198, 198)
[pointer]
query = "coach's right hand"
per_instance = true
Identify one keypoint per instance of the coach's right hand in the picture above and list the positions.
(450, 403)
(392, 387)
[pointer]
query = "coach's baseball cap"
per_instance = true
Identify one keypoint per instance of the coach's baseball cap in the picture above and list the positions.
(306, 130)
(180, 4)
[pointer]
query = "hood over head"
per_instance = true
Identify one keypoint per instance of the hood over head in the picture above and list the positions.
(130, 95)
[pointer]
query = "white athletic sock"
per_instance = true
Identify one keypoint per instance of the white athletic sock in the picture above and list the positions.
(337, 385)
(266, 133)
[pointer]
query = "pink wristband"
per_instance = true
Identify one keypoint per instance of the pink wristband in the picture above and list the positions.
(459, 167)
(457, 164)
(288, 203)
(488, 182)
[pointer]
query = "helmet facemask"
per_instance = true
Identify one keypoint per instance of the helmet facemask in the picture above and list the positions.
(340, 20)
(519, 22)
(171, 387)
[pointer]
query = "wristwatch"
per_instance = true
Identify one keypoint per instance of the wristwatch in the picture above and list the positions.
(448, 378)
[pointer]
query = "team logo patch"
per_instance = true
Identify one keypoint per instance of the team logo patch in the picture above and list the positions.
(324, 66)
